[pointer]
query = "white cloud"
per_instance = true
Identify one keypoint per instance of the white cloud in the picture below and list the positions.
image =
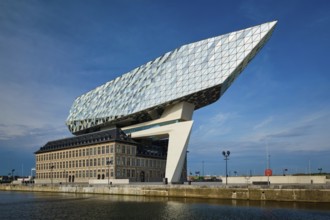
(284, 133)
(263, 123)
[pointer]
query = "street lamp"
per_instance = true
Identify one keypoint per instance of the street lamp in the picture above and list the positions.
(284, 170)
(12, 174)
(226, 155)
(109, 162)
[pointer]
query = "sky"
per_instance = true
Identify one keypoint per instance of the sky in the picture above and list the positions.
(54, 51)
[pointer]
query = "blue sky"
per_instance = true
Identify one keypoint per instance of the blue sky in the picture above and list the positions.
(53, 51)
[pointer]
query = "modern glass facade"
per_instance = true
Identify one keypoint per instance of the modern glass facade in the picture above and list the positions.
(197, 73)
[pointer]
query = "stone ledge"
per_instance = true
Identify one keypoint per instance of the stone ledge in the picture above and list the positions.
(189, 191)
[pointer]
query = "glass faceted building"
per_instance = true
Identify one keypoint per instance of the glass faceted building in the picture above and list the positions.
(154, 103)
(197, 73)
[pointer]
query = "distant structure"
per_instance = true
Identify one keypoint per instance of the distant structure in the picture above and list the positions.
(151, 107)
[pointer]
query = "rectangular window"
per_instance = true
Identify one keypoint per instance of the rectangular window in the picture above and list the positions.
(123, 149)
(103, 163)
(128, 149)
(128, 161)
(137, 162)
(94, 150)
(133, 162)
(99, 150)
(94, 162)
(103, 150)
(83, 152)
(128, 173)
(87, 152)
(111, 149)
(123, 161)
(98, 162)
(107, 149)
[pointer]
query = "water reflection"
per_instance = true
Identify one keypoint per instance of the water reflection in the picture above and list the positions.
(14, 205)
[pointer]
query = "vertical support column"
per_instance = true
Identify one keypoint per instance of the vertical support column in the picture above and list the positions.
(179, 134)
(176, 152)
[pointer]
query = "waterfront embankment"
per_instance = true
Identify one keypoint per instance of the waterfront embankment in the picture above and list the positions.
(303, 193)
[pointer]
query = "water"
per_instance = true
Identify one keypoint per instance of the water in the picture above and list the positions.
(26, 205)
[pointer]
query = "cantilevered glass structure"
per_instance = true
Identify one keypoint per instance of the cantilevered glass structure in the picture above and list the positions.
(197, 73)
(158, 98)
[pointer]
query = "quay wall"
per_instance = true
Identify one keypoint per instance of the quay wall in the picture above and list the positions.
(261, 193)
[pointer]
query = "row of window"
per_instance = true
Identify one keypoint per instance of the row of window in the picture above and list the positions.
(75, 163)
(91, 151)
(78, 173)
(98, 174)
(120, 161)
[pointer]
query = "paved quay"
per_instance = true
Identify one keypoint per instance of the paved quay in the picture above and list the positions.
(294, 193)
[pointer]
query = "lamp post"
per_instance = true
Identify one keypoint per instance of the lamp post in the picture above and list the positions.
(284, 171)
(226, 155)
(109, 162)
(203, 168)
(12, 174)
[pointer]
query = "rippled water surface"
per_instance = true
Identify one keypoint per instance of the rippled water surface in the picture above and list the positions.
(22, 205)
